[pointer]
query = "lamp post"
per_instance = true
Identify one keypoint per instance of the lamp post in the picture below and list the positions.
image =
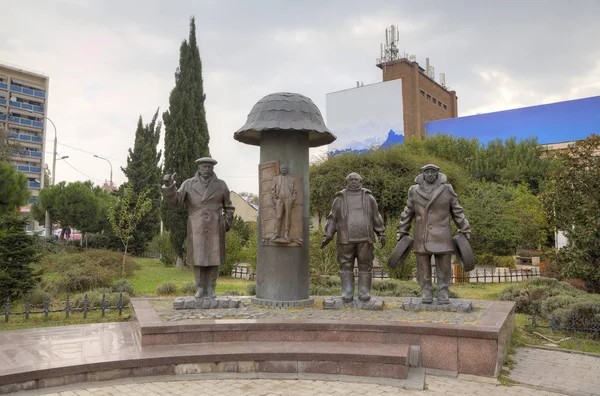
(105, 159)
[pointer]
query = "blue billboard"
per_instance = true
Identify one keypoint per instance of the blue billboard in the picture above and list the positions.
(550, 123)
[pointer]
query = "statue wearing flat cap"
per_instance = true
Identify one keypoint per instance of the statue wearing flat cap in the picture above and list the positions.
(210, 214)
(432, 202)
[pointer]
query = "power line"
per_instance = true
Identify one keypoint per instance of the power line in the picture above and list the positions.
(88, 152)
(77, 170)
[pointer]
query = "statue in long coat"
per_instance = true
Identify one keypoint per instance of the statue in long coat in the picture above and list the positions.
(210, 214)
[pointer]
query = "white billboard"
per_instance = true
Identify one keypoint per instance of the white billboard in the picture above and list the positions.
(366, 118)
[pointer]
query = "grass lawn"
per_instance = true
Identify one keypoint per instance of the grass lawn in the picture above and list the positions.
(478, 291)
(153, 273)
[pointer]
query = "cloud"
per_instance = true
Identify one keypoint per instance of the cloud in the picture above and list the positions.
(111, 61)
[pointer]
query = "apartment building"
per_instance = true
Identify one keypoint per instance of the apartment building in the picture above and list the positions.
(23, 107)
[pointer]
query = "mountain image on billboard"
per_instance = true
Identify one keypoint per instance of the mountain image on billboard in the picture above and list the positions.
(366, 118)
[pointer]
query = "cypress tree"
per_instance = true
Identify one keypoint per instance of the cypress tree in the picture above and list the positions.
(186, 133)
(144, 174)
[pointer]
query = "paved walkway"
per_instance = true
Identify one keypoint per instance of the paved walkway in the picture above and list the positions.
(269, 387)
(573, 373)
(561, 372)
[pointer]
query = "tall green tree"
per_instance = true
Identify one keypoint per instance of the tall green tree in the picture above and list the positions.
(13, 188)
(78, 205)
(144, 176)
(573, 201)
(17, 253)
(186, 133)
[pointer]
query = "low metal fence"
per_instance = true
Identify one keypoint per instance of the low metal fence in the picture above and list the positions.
(45, 308)
(575, 325)
(243, 273)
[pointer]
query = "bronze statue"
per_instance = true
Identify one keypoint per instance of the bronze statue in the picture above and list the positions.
(210, 214)
(283, 195)
(432, 201)
(355, 217)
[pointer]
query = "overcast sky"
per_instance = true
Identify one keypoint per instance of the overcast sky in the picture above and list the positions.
(111, 61)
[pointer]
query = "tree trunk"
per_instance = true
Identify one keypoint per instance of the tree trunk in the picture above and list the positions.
(123, 263)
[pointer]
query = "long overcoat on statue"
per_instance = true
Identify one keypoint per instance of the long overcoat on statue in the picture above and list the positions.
(432, 214)
(210, 214)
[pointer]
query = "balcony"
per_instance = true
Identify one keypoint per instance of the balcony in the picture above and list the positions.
(26, 106)
(25, 137)
(2, 101)
(3, 85)
(2, 117)
(27, 153)
(33, 200)
(28, 168)
(25, 121)
(27, 91)
(34, 184)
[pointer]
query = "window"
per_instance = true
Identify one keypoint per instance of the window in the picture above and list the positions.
(422, 93)
(428, 97)
(445, 107)
(434, 100)
(440, 104)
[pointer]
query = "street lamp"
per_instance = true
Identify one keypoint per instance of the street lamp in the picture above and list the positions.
(105, 159)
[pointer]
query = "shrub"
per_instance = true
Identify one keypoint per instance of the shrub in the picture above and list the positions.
(529, 295)
(161, 244)
(318, 290)
(553, 303)
(251, 289)
(576, 283)
(103, 241)
(485, 260)
(166, 289)
(48, 246)
(122, 285)
(189, 288)
(505, 262)
(37, 296)
(582, 314)
(82, 271)
(326, 281)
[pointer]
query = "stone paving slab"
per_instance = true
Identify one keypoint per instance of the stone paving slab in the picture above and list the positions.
(574, 373)
(392, 311)
(167, 386)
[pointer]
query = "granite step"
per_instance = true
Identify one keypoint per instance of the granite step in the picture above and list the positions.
(292, 358)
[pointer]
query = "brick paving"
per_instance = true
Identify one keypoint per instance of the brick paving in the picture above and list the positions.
(273, 387)
(574, 373)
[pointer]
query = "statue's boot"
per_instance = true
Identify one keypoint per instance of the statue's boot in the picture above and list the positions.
(211, 275)
(364, 285)
(443, 296)
(200, 286)
(347, 278)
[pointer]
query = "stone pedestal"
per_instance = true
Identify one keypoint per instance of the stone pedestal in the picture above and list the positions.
(190, 302)
(455, 305)
(374, 304)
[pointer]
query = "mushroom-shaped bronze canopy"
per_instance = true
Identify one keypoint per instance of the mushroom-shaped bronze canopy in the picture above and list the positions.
(284, 111)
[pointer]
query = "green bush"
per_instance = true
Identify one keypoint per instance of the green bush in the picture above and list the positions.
(326, 280)
(48, 246)
(122, 285)
(319, 290)
(553, 303)
(505, 262)
(251, 289)
(91, 269)
(485, 260)
(582, 314)
(529, 295)
(166, 289)
(37, 296)
(103, 241)
(161, 244)
(95, 299)
(189, 288)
